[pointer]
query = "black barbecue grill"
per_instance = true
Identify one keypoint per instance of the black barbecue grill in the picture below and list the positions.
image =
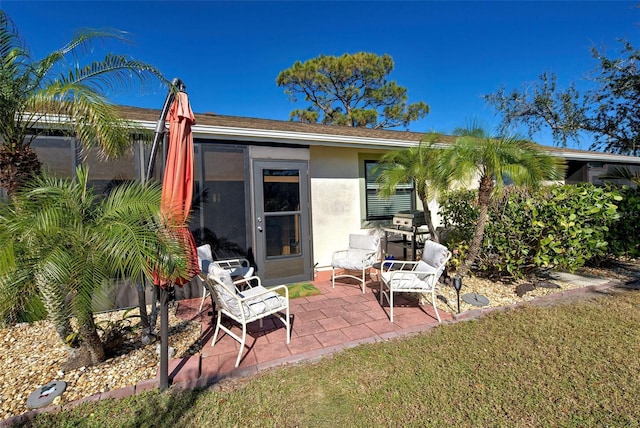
(406, 232)
(409, 219)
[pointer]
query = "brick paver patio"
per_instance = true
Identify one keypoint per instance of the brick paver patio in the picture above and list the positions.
(338, 318)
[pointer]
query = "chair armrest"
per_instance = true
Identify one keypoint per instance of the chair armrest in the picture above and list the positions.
(406, 273)
(241, 261)
(370, 258)
(266, 291)
(399, 265)
(247, 281)
(339, 254)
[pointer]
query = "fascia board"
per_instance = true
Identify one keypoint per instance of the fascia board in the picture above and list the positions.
(596, 156)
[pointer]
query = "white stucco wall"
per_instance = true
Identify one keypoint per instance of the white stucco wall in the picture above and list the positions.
(335, 200)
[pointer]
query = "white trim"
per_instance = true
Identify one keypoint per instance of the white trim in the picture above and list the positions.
(604, 157)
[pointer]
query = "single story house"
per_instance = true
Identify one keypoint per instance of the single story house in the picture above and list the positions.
(283, 194)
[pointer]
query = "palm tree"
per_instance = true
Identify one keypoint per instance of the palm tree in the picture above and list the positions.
(419, 165)
(61, 242)
(622, 173)
(35, 93)
(492, 160)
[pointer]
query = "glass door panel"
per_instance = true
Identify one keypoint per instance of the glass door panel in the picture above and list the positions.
(282, 221)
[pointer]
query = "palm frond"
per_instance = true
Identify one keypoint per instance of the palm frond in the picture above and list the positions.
(622, 173)
(82, 43)
(114, 73)
(92, 119)
(10, 39)
(77, 96)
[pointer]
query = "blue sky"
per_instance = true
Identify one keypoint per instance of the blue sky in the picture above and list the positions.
(447, 54)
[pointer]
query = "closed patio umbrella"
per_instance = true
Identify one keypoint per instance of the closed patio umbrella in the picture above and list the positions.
(177, 196)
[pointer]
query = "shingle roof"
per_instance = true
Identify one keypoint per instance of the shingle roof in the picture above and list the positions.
(222, 121)
(211, 119)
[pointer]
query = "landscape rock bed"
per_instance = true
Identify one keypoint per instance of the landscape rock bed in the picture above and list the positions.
(31, 355)
(498, 294)
(505, 294)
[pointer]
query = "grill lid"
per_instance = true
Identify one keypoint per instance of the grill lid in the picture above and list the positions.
(411, 218)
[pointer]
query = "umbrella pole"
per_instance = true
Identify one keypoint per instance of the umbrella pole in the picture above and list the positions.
(160, 127)
(164, 338)
(149, 327)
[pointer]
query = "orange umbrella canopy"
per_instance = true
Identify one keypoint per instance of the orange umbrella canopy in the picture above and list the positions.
(177, 185)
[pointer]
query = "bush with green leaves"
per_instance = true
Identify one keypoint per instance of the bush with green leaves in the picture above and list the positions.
(557, 227)
(510, 240)
(624, 235)
(459, 214)
(573, 224)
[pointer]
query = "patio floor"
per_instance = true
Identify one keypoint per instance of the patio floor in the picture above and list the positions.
(338, 318)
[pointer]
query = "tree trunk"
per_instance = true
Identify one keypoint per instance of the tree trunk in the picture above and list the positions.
(429, 221)
(17, 167)
(90, 341)
(53, 301)
(91, 351)
(484, 197)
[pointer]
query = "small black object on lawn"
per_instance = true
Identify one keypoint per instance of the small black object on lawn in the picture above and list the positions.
(457, 284)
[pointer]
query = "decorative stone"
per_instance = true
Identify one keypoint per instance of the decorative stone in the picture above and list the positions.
(524, 288)
(475, 299)
(547, 284)
(44, 395)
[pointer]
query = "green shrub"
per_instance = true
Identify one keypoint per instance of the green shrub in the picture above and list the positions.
(510, 238)
(459, 214)
(624, 235)
(554, 227)
(574, 224)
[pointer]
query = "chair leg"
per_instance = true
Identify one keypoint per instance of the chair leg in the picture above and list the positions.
(363, 278)
(205, 293)
(390, 305)
(215, 334)
(244, 336)
(288, 324)
(435, 309)
(333, 277)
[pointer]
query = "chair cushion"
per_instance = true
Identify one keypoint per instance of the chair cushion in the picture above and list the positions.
(434, 254)
(403, 280)
(223, 296)
(421, 266)
(352, 259)
(222, 274)
(265, 303)
(364, 242)
(204, 257)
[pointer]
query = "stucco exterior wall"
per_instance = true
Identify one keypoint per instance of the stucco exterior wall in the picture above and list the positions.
(335, 200)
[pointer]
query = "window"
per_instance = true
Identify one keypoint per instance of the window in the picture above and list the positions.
(219, 217)
(382, 209)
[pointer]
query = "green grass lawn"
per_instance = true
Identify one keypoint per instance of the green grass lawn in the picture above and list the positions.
(573, 365)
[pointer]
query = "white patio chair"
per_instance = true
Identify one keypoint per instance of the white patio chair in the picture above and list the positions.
(244, 307)
(239, 268)
(417, 277)
(362, 253)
